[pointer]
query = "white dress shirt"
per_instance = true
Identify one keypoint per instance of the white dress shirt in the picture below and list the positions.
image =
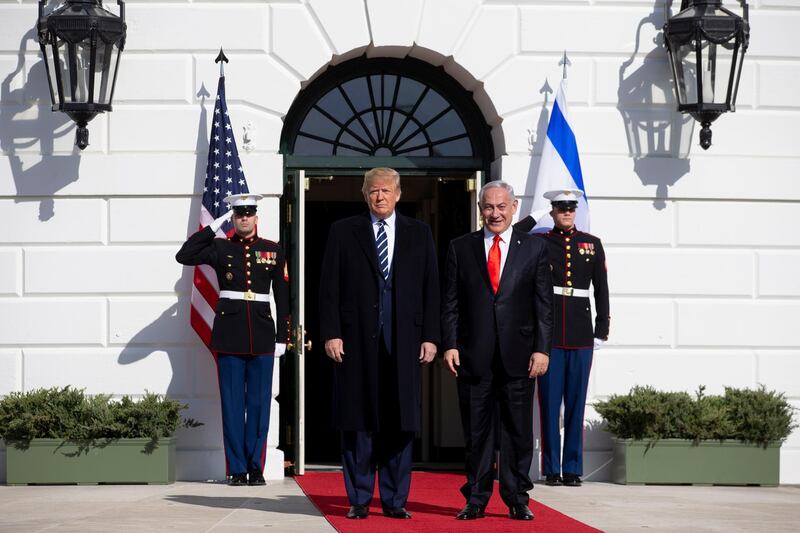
(488, 240)
(389, 228)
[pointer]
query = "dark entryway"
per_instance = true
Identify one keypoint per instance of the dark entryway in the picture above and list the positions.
(445, 204)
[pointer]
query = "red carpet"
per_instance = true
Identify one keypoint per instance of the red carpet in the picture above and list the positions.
(434, 502)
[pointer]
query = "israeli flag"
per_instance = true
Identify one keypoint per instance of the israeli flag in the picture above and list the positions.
(559, 168)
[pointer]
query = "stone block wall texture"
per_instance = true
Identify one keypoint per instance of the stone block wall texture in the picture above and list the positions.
(703, 256)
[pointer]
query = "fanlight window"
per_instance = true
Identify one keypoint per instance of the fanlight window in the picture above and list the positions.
(383, 115)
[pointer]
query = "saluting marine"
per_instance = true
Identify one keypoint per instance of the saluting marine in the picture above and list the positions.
(245, 336)
(577, 261)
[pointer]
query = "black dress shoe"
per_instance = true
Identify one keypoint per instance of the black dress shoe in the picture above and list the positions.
(256, 478)
(552, 480)
(572, 480)
(238, 480)
(520, 512)
(396, 512)
(470, 512)
(357, 512)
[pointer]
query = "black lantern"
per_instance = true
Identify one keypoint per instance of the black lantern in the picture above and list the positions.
(81, 43)
(706, 45)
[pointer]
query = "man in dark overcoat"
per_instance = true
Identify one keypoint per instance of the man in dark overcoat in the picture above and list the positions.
(379, 318)
(496, 333)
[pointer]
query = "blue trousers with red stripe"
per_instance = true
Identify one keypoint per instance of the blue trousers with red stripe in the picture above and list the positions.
(567, 379)
(245, 389)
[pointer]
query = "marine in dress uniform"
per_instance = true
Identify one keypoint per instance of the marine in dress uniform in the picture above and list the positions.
(245, 336)
(577, 261)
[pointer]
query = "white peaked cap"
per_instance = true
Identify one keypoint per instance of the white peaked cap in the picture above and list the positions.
(563, 195)
(242, 200)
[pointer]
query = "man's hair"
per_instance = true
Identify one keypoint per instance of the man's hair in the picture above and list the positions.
(497, 184)
(380, 172)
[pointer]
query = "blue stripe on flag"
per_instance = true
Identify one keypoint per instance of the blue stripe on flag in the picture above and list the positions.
(563, 140)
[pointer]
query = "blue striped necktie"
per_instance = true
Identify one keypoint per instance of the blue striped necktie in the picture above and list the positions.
(382, 242)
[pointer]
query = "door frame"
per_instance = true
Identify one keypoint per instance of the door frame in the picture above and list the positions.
(297, 170)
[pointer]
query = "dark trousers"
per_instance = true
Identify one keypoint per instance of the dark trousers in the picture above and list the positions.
(489, 403)
(245, 389)
(567, 379)
(387, 450)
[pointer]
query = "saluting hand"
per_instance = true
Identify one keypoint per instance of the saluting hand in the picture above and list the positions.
(221, 220)
(334, 348)
(538, 364)
(451, 358)
(427, 352)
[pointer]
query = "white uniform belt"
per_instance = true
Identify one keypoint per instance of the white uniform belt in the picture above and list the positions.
(569, 291)
(249, 296)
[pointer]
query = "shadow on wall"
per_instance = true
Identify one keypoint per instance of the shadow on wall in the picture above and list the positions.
(658, 136)
(536, 138)
(598, 446)
(27, 120)
(175, 318)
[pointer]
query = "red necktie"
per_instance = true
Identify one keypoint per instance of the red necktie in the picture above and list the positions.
(494, 263)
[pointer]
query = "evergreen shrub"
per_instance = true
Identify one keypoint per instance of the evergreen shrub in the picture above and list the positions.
(755, 416)
(69, 414)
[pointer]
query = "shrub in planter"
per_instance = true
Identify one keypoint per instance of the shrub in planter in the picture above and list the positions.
(69, 414)
(80, 438)
(753, 416)
(672, 437)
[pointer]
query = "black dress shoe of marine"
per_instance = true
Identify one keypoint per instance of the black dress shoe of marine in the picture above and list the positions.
(357, 512)
(238, 480)
(572, 480)
(552, 480)
(396, 512)
(470, 512)
(256, 478)
(520, 512)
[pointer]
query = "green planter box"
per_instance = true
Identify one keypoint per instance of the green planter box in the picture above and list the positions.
(53, 461)
(678, 461)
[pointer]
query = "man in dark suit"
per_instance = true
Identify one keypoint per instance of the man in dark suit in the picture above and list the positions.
(379, 317)
(496, 330)
(245, 336)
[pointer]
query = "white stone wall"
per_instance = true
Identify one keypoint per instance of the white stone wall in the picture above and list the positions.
(702, 255)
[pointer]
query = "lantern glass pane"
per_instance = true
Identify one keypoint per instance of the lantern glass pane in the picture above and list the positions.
(112, 69)
(64, 70)
(735, 75)
(103, 72)
(83, 57)
(51, 62)
(717, 62)
(686, 74)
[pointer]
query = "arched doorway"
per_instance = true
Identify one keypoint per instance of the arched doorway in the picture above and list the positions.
(363, 113)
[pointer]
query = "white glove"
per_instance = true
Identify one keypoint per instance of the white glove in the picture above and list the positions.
(280, 349)
(598, 343)
(220, 221)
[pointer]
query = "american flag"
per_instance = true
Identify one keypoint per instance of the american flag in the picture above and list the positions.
(224, 177)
